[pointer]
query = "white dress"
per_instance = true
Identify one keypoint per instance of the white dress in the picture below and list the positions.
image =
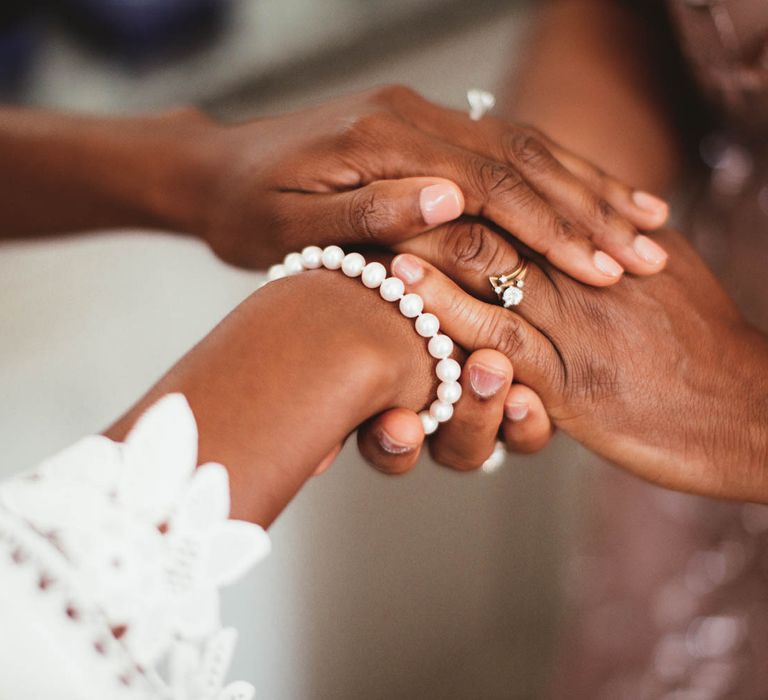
(111, 557)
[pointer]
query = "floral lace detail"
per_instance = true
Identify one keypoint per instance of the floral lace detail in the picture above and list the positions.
(146, 536)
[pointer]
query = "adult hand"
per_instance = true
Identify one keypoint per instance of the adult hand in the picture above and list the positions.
(661, 375)
(385, 165)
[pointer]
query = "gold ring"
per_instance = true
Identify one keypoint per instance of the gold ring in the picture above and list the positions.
(509, 286)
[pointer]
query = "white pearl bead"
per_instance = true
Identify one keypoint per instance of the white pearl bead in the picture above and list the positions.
(427, 325)
(374, 274)
(440, 346)
(312, 257)
(332, 257)
(353, 264)
(293, 263)
(411, 305)
(448, 370)
(441, 411)
(428, 422)
(450, 392)
(276, 272)
(392, 289)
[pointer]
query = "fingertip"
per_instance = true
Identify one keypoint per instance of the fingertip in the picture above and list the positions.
(402, 427)
(608, 267)
(650, 252)
(392, 442)
(526, 427)
(408, 268)
(441, 202)
(487, 372)
(653, 210)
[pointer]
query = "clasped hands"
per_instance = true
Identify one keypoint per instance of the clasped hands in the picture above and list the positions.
(657, 371)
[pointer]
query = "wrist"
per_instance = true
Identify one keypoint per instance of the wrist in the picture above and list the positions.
(755, 421)
(177, 190)
(736, 431)
(290, 373)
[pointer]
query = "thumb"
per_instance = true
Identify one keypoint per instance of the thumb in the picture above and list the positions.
(382, 212)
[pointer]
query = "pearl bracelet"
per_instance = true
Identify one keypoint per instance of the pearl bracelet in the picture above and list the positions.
(374, 276)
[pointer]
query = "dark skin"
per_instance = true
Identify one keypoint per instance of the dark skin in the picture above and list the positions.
(239, 380)
(354, 171)
(593, 77)
(661, 375)
(348, 172)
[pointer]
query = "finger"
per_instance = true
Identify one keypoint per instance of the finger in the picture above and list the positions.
(498, 192)
(328, 460)
(469, 438)
(382, 212)
(644, 210)
(610, 231)
(469, 252)
(526, 427)
(486, 136)
(474, 325)
(391, 442)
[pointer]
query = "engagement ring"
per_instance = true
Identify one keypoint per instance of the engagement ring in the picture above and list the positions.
(509, 286)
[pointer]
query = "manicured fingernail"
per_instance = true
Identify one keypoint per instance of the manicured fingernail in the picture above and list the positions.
(407, 268)
(485, 382)
(649, 203)
(607, 265)
(516, 411)
(440, 203)
(390, 445)
(649, 250)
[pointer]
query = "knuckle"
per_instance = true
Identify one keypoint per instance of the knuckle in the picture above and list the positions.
(522, 146)
(500, 181)
(473, 247)
(369, 216)
(610, 225)
(533, 131)
(603, 212)
(504, 331)
(564, 231)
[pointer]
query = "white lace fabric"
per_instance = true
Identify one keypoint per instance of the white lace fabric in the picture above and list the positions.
(111, 560)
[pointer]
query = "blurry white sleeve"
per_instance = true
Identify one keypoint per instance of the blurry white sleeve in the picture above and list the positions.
(111, 557)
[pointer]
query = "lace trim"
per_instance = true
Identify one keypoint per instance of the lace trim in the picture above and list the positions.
(133, 542)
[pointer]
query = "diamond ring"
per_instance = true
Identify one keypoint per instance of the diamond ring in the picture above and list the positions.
(509, 286)
(480, 103)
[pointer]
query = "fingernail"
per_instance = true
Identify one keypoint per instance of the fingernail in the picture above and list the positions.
(407, 268)
(393, 447)
(516, 411)
(440, 203)
(647, 202)
(485, 382)
(649, 250)
(607, 265)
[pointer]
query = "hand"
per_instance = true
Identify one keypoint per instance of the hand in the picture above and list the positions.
(392, 441)
(383, 166)
(661, 375)
(318, 336)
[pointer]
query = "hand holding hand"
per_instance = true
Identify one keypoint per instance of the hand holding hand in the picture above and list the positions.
(660, 374)
(383, 166)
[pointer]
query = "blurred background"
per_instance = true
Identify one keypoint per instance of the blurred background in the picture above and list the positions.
(433, 585)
